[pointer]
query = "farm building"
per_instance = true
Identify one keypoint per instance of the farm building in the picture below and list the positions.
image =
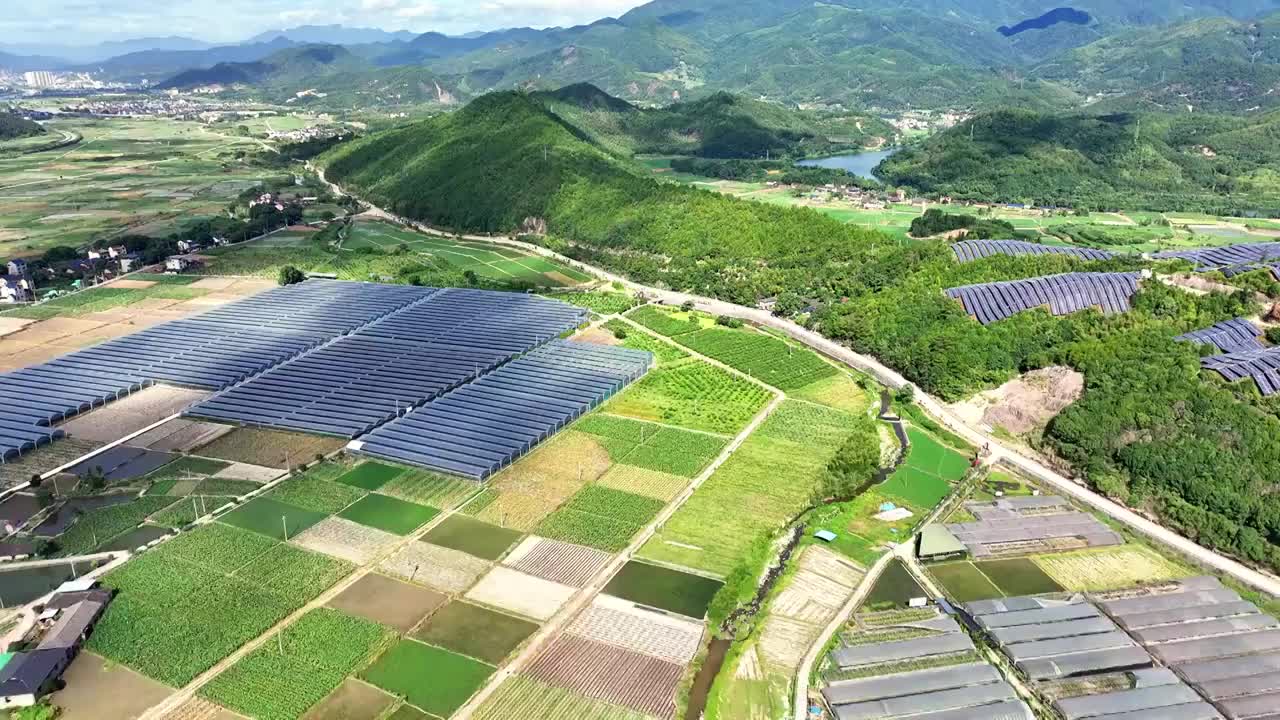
(939, 543)
(29, 675)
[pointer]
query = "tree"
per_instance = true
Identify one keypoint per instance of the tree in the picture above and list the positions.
(687, 306)
(290, 275)
(906, 394)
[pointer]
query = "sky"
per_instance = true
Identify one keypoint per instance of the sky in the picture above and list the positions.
(84, 22)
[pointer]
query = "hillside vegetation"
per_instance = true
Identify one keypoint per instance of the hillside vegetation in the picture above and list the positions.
(15, 126)
(1151, 429)
(1170, 162)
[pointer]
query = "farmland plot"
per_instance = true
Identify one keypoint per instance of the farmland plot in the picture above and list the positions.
(426, 488)
(390, 514)
(560, 562)
(610, 674)
(764, 357)
(388, 602)
(601, 517)
(311, 493)
(696, 396)
(1110, 568)
(522, 697)
(523, 494)
(520, 593)
(475, 631)
(473, 537)
(618, 622)
(669, 323)
(454, 678)
(650, 483)
(441, 568)
(344, 539)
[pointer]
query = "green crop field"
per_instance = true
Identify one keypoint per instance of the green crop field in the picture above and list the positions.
(192, 601)
(795, 444)
(932, 457)
(522, 697)
(319, 651)
(493, 261)
(271, 518)
(475, 631)
(664, 352)
(600, 517)
(370, 475)
(964, 582)
(427, 488)
(142, 175)
(916, 486)
(473, 537)
(1018, 576)
(859, 534)
(670, 322)
(103, 298)
(453, 678)
(895, 588)
(604, 303)
(663, 588)
(764, 357)
(310, 492)
(100, 525)
(692, 395)
(393, 515)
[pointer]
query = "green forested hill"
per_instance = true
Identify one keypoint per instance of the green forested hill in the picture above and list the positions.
(719, 126)
(1206, 65)
(292, 66)
(1146, 160)
(15, 126)
(1151, 429)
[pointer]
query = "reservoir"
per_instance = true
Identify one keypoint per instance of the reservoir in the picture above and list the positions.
(860, 164)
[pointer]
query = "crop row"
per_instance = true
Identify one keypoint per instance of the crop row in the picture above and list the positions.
(696, 396)
(605, 303)
(761, 356)
(664, 322)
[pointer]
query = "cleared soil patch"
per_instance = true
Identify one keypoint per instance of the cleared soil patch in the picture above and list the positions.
(557, 561)
(244, 471)
(441, 568)
(617, 622)
(812, 598)
(454, 678)
(610, 674)
(390, 602)
(473, 537)
(98, 690)
(1026, 403)
(12, 324)
(520, 593)
(522, 697)
(663, 588)
(353, 700)
(181, 435)
(269, 448)
(390, 514)
(472, 630)
(198, 708)
(650, 483)
(133, 413)
(128, 284)
(344, 539)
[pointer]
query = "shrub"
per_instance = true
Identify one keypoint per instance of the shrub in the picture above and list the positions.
(290, 275)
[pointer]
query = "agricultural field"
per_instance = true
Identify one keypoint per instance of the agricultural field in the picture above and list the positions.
(894, 588)
(370, 476)
(523, 494)
(628, 336)
(454, 678)
(281, 680)
(600, 517)
(671, 322)
(600, 302)
(964, 582)
(421, 487)
(653, 447)
(475, 631)
(660, 587)
(489, 260)
(388, 514)
(387, 601)
(861, 536)
(485, 541)
(127, 175)
(796, 442)
(524, 697)
(269, 448)
(190, 602)
(928, 473)
(762, 356)
(695, 396)
(1110, 568)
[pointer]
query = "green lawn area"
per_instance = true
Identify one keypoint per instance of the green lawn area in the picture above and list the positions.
(390, 514)
(435, 680)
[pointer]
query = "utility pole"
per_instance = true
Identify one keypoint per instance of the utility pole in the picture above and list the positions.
(284, 524)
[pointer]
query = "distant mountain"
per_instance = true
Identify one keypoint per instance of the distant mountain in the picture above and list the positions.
(1214, 64)
(306, 64)
(72, 54)
(333, 35)
(159, 64)
(23, 63)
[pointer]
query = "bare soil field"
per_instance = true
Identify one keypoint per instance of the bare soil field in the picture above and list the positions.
(181, 435)
(98, 690)
(128, 284)
(197, 708)
(43, 459)
(597, 336)
(269, 448)
(390, 602)
(353, 700)
(618, 622)
(245, 471)
(522, 594)
(611, 674)
(650, 483)
(557, 561)
(449, 570)
(345, 540)
(9, 325)
(1027, 403)
(811, 599)
(132, 413)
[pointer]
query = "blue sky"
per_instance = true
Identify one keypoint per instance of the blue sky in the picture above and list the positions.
(76, 22)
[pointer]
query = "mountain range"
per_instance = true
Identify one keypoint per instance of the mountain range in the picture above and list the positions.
(864, 54)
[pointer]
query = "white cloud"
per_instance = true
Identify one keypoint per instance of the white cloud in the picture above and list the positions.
(418, 10)
(379, 5)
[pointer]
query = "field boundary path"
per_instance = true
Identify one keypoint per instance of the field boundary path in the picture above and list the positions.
(1038, 471)
(586, 595)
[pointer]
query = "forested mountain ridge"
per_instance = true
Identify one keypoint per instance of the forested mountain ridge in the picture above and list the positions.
(1147, 160)
(15, 126)
(305, 64)
(1151, 430)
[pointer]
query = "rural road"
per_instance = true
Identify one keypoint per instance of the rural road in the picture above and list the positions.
(891, 378)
